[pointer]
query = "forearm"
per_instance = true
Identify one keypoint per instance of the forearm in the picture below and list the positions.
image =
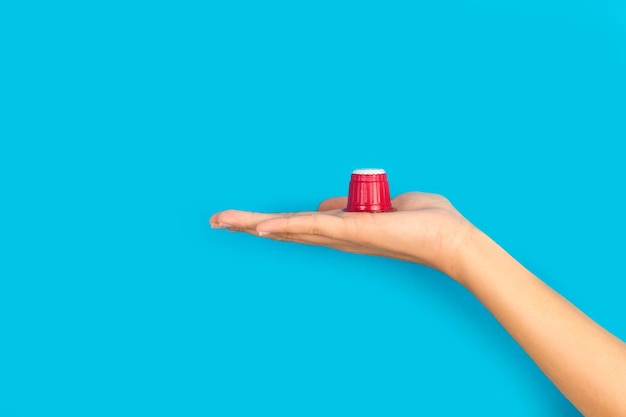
(583, 360)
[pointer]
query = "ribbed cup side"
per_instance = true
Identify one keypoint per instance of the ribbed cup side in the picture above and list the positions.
(369, 193)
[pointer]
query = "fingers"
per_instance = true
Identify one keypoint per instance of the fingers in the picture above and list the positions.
(317, 224)
(333, 204)
(213, 220)
(301, 227)
(239, 219)
(242, 220)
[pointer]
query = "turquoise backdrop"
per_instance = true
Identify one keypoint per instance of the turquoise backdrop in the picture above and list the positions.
(125, 125)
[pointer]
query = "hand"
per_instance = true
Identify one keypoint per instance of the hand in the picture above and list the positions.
(585, 362)
(425, 229)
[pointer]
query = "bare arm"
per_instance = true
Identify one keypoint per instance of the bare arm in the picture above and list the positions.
(587, 363)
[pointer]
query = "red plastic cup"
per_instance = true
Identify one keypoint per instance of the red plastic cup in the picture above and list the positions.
(369, 191)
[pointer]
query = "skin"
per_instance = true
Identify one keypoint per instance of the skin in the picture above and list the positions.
(584, 361)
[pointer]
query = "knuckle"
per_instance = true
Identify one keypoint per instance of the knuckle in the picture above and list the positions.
(315, 228)
(286, 229)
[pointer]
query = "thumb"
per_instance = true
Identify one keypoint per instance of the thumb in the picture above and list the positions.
(333, 204)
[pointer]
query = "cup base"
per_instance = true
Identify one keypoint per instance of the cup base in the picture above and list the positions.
(370, 211)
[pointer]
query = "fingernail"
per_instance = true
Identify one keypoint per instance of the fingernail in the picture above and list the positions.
(221, 225)
(263, 233)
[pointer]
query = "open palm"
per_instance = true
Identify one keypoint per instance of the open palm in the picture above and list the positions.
(424, 229)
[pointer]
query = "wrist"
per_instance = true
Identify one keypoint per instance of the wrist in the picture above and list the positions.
(465, 255)
(478, 259)
(474, 257)
(457, 241)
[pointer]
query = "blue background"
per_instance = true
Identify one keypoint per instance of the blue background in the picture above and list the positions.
(125, 125)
